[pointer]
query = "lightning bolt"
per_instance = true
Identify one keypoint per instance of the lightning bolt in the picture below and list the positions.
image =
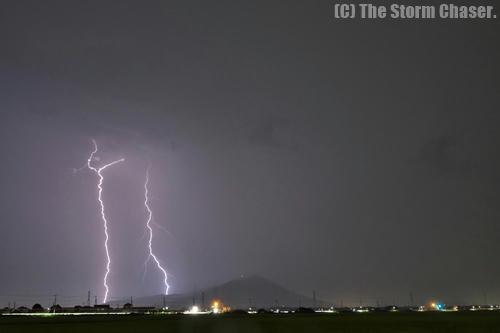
(150, 240)
(98, 171)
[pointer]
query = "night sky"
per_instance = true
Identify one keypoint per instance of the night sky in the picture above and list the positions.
(356, 158)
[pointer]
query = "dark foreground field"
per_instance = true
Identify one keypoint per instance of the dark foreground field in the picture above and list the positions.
(372, 322)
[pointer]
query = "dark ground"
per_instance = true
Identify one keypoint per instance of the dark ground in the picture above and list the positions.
(372, 322)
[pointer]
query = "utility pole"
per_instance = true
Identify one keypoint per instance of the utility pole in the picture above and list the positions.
(88, 298)
(55, 302)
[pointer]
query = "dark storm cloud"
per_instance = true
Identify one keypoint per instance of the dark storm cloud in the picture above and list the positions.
(272, 131)
(443, 152)
(355, 158)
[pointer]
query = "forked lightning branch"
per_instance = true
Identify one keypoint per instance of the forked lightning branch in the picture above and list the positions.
(151, 254)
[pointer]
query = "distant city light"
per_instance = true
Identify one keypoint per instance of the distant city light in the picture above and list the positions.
(193, 310)
(217, 307)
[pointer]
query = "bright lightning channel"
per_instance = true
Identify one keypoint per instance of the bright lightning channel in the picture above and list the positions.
(150, 240)
(98, 171)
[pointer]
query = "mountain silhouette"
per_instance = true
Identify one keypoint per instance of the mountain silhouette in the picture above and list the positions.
(241, 293)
